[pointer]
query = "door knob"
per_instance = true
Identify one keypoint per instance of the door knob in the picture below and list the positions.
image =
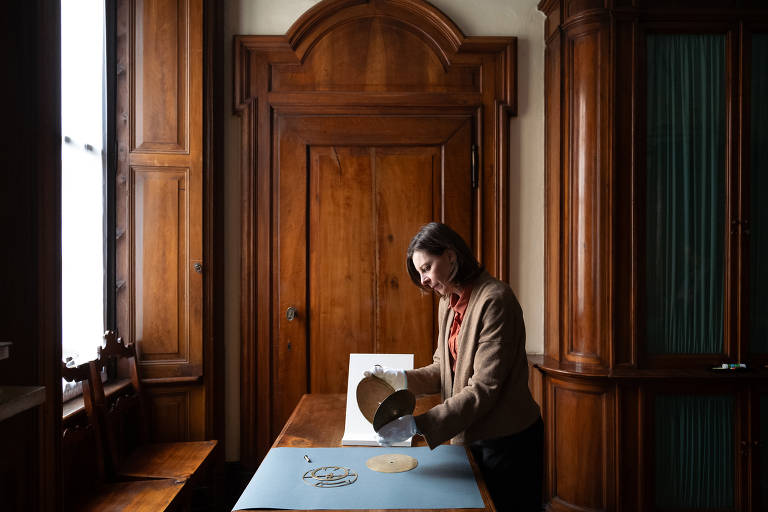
(291, 313)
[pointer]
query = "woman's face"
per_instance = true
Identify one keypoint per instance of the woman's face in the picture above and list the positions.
(435, 271)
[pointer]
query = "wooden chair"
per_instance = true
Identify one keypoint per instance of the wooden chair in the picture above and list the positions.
(126, 428)
(84, 483)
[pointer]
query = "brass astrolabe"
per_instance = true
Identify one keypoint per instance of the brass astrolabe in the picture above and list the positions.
(380, 403)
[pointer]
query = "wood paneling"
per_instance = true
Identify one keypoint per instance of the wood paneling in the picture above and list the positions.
(625, 349)
(341, 244)
(159, 217)
(632, 445)
(169, 411)
(409, 78)
(410, 176)
(579, 7)
(336, 245)
(366, 53)
(553, 197)
(351, 189)
(19, 474)
(161, 271)
(30, 280)
(174, 412)
(160, 46)
(588, 196)
(581, 456)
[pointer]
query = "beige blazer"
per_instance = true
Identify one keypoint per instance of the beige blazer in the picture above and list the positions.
(488, 397)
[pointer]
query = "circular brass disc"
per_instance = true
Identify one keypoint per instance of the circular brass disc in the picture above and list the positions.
(391, 463)
(399, 403)
(371, 391)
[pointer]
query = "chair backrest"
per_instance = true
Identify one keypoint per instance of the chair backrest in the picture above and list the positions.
(124, 418)
(82, 467)
(82, 445)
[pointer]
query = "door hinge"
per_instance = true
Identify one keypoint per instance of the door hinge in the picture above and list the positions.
(474, 166)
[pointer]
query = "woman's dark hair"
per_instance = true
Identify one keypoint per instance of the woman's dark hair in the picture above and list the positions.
(435, 238)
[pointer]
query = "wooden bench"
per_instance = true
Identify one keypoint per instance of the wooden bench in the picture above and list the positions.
(86, 487)
(130, 452)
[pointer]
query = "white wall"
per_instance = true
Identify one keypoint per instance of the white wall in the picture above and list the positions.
(518, 18)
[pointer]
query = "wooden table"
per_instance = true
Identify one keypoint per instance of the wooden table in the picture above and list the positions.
(318, 422)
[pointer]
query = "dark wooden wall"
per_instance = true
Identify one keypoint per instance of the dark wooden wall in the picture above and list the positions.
(30, 215)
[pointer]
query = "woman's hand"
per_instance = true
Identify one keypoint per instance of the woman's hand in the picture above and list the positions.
(392, 376)
(397, 430)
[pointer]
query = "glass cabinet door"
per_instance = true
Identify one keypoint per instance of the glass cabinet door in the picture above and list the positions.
(694, 460)
(685, 193)
(757, 225)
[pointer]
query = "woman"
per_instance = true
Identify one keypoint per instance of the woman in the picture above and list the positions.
(479, 368)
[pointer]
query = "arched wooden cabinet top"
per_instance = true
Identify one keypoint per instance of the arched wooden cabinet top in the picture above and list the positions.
(379, 46)
(422, 19)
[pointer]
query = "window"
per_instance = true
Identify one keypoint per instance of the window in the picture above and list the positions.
(85, 181)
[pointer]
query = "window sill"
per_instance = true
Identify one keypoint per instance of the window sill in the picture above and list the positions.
(76, 406)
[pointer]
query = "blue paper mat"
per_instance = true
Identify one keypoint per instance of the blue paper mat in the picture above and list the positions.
(442, 479)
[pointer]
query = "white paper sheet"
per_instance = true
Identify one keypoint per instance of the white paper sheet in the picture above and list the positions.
(357, 429)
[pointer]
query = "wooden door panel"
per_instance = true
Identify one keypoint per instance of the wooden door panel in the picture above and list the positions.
(408, 183)
(457, 188)
(346, 214)
(174, 411)
(365, 204)
(159, 43)
(159, 216)
(288, 379)
(342, 276)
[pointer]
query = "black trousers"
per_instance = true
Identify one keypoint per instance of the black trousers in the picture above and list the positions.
(513, 468)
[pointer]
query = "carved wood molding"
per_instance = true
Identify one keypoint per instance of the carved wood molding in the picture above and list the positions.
(431, 25)
(418, 17)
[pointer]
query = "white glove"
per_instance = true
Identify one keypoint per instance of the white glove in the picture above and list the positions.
(392, 376)
(397, 430)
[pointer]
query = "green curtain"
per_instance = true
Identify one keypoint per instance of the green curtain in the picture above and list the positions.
(685, 192)
(763, 456)
(758, 271)
(694, 458)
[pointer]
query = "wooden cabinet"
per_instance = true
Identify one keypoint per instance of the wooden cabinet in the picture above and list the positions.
(619, 385)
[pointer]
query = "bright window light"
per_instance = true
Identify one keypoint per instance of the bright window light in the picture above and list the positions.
(82, 180)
